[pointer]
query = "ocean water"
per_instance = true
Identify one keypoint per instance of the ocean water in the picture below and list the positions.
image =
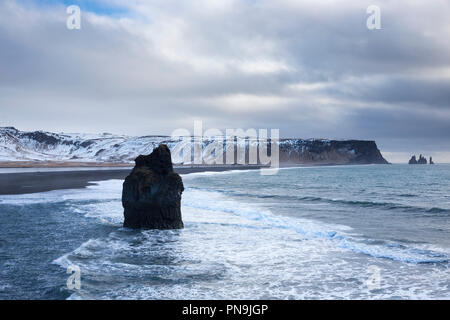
(344, 232)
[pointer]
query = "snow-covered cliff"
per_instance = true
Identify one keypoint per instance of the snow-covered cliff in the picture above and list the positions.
(18, 145)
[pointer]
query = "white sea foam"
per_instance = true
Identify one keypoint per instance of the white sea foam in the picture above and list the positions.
(193, 175)
(238, 250)
(217, 202)
(234, 249)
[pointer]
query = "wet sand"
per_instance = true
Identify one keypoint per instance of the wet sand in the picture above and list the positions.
(32, 182)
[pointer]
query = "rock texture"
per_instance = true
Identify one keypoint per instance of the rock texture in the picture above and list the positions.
(413, 160)
(421, 160)
(152, 192)
(329, 152)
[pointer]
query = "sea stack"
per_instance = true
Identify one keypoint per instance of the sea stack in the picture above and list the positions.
(422, 160)
(413, 160)
(151, 194)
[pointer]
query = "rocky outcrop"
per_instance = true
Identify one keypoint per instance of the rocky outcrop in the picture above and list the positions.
(421, 160)
(151, 193)
(431, 160)
(328, 152)
(413, 160)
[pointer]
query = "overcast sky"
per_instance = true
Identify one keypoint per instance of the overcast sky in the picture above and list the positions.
(309, 68)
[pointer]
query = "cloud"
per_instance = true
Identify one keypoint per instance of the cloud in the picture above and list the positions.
(311, 69)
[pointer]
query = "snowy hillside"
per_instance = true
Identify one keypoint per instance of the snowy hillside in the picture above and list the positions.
(18, 145)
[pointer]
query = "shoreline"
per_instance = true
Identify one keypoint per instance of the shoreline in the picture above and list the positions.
(17, 183)
(27, 180)
(62, 164)
(105, 165)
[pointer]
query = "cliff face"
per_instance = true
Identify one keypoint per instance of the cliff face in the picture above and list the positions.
(17, 145)
(322, 151)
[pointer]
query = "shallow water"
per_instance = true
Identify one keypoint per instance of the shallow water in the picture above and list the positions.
(305, 233)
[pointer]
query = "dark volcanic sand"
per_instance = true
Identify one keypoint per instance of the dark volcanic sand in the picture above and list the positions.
(32, 182)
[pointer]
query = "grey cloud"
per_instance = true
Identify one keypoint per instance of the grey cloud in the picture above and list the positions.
(170, 63)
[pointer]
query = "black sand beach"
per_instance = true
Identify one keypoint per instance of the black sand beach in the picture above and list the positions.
(32, 182)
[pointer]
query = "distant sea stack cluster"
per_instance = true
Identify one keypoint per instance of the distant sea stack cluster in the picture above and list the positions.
(151, 194)
(106, 148)
(421, 160)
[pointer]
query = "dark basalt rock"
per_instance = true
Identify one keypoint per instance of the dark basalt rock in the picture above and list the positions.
(413, 160)
(151, 193)
(422, 160)
(366, 152)
(323, 151)
(41, 137)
